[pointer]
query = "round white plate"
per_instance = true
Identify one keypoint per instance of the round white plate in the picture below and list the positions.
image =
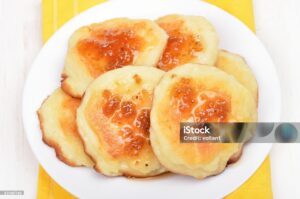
(44, 77)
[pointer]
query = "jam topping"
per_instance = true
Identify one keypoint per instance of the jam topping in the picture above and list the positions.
(106, 50)
(124, 123)
(181, 48)
(112, 103)
(199, 105)
(126, 114)
(185, 95)
(214, 108)
(143, 120)
(137, 79)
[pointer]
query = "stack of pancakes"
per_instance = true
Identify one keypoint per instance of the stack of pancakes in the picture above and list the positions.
(127, 84)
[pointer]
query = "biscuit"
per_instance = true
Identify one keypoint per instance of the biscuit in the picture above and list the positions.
(114, 119)
(105, 46)
(192, 39)
(57, 117)
(197, 93)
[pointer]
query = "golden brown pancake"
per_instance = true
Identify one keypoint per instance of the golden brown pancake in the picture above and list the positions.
(57, 117)
(197, 93)
(237, 66)
(114, 121)
(105, 46)
(192, 39)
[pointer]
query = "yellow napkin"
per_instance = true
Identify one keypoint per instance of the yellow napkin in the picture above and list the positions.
(57, 12)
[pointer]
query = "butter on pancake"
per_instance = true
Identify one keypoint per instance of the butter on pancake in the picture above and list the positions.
(197, 93)
(237, 66)
(105, 46)
(192, 39)
(57, 117)
(114, 119)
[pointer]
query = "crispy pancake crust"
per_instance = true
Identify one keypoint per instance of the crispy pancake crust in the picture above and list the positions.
(192, 39)
(57, 117)
(105, 46)
(197, 93)
(237, 66)
(114, 119)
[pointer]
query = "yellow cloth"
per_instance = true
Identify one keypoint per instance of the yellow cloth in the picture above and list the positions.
(57, 12)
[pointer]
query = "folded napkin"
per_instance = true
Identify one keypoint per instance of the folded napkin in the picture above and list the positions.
(57, 12)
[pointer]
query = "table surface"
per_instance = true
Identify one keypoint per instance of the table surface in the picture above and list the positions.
(278, 27)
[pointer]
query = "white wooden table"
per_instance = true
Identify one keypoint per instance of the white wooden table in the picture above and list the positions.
(278, 26)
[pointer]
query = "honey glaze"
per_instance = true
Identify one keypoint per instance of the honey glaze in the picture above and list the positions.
(109, 49)
(123, 123)
(196, 104)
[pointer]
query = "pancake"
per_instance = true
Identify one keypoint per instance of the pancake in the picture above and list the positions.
(237, 66)
(192, 39)
(57, 117)
(105, 46)
(195, 93)
(114, 121)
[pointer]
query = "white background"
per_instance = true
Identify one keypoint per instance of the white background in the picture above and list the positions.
(278, 26)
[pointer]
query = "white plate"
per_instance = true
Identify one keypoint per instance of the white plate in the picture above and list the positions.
(44, 77)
